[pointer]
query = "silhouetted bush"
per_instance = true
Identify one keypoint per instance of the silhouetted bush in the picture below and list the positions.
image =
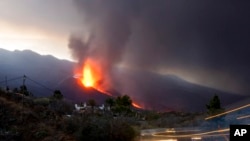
(61, 107)
(70, 125)
(96, 129)
(42, 101)
(41, 134)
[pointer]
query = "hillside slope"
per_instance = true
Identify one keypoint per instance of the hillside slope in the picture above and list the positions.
(22, 119)
(150, 90)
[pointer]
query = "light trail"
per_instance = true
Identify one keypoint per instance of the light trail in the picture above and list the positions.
(169, 140)
(242, 117)
(196, 138)
(196, 135)
(230, 111)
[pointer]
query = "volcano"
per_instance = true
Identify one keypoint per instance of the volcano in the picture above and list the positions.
(72, 90)
(148, 89)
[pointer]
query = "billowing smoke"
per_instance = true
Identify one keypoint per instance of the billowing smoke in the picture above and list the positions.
(108, 27)
(206, 42)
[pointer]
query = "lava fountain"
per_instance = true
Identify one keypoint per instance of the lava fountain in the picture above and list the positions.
(88, 76)
(91, 76)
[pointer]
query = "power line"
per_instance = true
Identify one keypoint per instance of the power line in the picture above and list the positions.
(13, 79)
(26, 77)
(41, 85)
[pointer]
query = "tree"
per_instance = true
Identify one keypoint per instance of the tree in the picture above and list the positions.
(124, 101)
(214, 105)
(123, 104)
(7, 88)
(15, 90)
(110, 102)
(57, 95)
(24, 90)
(92, 103)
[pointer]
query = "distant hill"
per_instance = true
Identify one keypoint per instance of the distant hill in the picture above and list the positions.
(169, 92)
(153, 91)
(46, 70)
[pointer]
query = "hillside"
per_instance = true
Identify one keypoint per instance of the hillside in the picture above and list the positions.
(49, 119)
(170, 93)
(24, 119)
(150, 90)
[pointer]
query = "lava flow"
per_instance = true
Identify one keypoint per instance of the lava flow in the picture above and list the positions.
(136, 105)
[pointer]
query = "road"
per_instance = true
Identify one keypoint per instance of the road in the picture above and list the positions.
(184, 134)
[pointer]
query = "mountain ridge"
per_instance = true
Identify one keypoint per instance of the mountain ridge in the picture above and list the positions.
(151, 90)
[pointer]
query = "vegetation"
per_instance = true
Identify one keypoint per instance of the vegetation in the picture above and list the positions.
(25, 118)
(23, 90)
(57, 95)
(105, 129)
(122, 105)
(110, 102)
(92, 103)
(214, 105)
(52, 118)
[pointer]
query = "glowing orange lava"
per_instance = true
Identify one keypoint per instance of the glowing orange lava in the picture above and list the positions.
(136, 105)
(90, 74)
(88, 78)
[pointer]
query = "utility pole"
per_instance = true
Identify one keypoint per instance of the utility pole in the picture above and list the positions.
(24, 78)
(6, 84)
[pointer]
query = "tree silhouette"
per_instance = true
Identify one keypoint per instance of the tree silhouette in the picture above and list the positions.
(124, 101)
(57, 95)
(214, 105)
(110, 102)
(123, 104)
(24, 90)
(92, 103)
(15, 90)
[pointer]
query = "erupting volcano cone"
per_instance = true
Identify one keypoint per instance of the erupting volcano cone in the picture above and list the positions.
(91, 77)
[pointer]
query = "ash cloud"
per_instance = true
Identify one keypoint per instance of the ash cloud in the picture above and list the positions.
(207, 36)
(108, 23)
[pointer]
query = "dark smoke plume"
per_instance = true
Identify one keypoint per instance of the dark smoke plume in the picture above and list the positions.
(206, 41)
(109, 25)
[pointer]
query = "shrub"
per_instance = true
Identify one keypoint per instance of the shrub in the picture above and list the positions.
(96, 129)
(42, 101)
(41, 134)
(70, 125)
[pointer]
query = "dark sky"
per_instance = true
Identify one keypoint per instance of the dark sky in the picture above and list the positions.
(204, 42)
